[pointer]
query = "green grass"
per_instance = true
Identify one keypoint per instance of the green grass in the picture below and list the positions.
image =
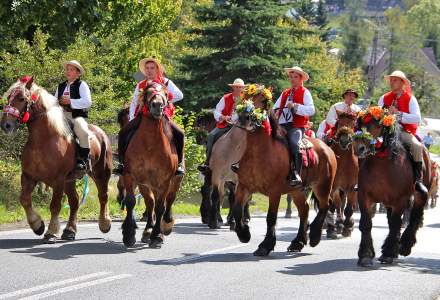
(435, 149)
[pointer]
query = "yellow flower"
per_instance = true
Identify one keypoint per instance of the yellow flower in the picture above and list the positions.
(267, 94)
(252, 89)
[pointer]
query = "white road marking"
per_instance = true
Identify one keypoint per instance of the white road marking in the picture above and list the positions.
(28, 230)
(52, 285)
(180, 260)
(76, 287)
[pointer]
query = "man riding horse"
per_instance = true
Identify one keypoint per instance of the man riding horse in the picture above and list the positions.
(294, 107)
(224, 114)
(346, 106)
(401, 102)
(74, 96)
(153, 71)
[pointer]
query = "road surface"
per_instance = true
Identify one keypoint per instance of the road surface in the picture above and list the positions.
(198, 263)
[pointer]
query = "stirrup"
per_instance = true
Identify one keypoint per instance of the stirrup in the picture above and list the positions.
(421, 187)
(203, 168)
(295, 179)
(235, 167)
(180, 171)
(81, 165)
(119, 170)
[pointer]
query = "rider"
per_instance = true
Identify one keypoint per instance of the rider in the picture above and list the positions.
(294, 107)
(401, 102)
(153, 71)
(346, 106)
(74, 96)
(224, 114)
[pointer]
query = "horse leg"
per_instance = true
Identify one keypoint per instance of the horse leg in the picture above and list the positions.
(121, 190)
(129, 225)
(268, 244)
(144, 217)
(331, 222)
(247, 214)
(149, 203)
(241, 228)
(322, 193)
(231, 199)
(215, 208)
(366, 250)
(206, 191)
(348, 213)
(289, 207)
(69, 232)
(390, 248)
(303, 211)
(50, 236)
(156, 238)
(408, 239)
(168, 220)
(33, 218)
(339, 213)
(105, 222)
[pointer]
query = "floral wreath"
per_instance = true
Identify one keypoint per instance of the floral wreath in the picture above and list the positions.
(252, 90)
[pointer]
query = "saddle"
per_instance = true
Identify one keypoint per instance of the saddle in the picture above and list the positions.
(307, 153)
(77, 174)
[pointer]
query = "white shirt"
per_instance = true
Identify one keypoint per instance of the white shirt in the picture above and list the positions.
(414, 116)
(85, 102)
(306, 110)
(321, 130)
(177, 96)
(332, 116)
(219, 108)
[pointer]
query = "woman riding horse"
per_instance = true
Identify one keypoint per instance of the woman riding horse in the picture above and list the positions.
(49, 157)
(153, 71)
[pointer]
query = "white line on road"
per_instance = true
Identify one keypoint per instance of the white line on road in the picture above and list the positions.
(76, 287)
(51, 285)
(28, 230)
(180, 260)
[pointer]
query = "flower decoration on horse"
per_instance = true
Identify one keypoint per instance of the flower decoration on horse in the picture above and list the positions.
(256, 101)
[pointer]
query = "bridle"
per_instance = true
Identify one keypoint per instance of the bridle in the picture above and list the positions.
(158, 90)
(21, 116)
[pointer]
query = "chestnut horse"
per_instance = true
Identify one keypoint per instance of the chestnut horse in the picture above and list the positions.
(49, 157)
(386, 176)
(344, 193)
(264, 168)
(150, 163)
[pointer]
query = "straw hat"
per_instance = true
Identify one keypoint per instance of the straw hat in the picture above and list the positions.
(237, 82)
(298, 70)
(350, 91)
(143, 61)
(76, 64)
(398, 74)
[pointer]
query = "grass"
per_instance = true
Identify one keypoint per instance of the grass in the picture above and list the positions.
(11, 210)
(435, 149)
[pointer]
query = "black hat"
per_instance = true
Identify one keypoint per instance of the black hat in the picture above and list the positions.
(350, 91)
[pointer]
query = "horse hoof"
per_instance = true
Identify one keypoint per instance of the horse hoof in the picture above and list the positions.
(143, 219)
(68, 235)
(346, 232)
(365, 262)
(156, 243)
(315, 241)
(288, 215)
(386, 260)
(404, 251)
(243, 233)
(167, 228)
(105, 227)
(40, 229)
(204, 220)
(146, 236)
(246, 221)
(214, 225)
(339, 230)
(49, 238)
(261, 252)
(232, 226)
(295, 246)
(332, 235)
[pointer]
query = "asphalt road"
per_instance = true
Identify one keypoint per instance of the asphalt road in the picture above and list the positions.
(198, 263)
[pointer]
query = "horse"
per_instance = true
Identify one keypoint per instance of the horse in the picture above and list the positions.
(49, 157)
(150, 163)
(343, 194)
(386, 176)
(264, 168)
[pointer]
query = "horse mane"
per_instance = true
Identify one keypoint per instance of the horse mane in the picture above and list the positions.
(278, 133)
(121, 113)
(54, 112)
(391, 139)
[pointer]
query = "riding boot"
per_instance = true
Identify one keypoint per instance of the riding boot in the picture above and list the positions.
(418, 170)
(295, 177)
(83, 159)
(179, 143)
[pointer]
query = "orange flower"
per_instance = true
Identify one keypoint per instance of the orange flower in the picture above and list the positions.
(388, 120)
(362, 114)
(376, 112)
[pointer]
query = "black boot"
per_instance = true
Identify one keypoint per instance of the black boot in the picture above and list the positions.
(204, 167)
(83, 159)
(295, 177)
(418, 170)
(119, 170)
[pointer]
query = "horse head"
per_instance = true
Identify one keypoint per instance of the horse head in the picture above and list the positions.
(376, 128)
(253, 110)
(155, 97)
(344, 129)
(20, 97)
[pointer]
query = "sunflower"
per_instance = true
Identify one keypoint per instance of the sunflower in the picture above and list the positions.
(252, 89)
(267, 94)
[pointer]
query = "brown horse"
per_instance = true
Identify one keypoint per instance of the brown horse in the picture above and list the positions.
(264, 168)
(49, 157)
(344, 194)
(433, 191)
(386, 176)
(150, 163)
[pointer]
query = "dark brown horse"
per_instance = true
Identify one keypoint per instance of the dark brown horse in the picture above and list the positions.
(150, 163)
(49, 157)
(264, 168)
(386, 176)
(344, 194)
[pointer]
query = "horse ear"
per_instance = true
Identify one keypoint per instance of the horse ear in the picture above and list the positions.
(29, 83)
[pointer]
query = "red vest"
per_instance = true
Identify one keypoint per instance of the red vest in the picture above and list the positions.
(402, 105)
(298, 97)
(227, 110)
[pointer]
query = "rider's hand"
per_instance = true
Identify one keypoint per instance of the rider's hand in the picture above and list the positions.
(290, 105)
(393, 110)
(65, 100)
(228, 118)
